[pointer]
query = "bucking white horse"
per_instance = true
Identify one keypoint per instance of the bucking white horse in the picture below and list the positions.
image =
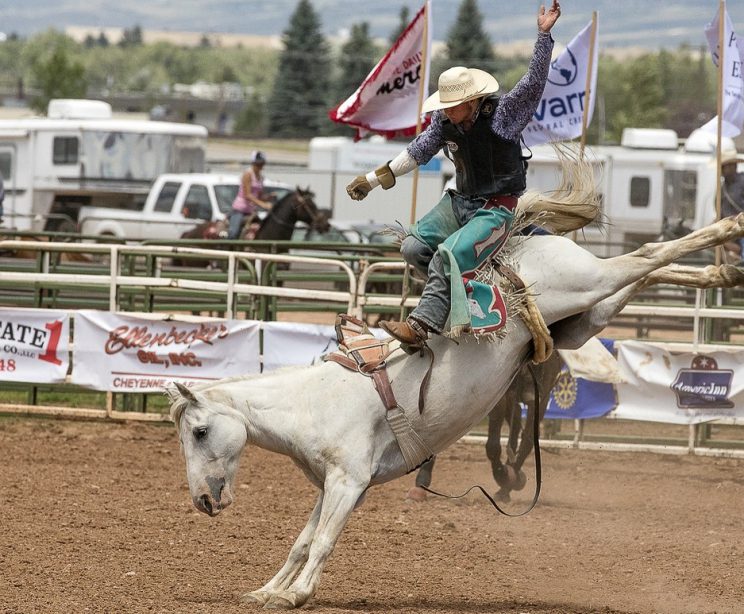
(332, 424)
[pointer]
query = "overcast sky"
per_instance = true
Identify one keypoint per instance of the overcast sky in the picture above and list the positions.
(622, 22)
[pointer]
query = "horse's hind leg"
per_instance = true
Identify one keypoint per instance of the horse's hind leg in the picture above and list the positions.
(296, 559)
(623, 270)
(341, 493)
(423, 480)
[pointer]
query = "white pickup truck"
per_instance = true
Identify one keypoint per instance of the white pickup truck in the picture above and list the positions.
(176, 203)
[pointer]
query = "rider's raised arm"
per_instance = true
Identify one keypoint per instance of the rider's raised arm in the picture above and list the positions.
(516, 108)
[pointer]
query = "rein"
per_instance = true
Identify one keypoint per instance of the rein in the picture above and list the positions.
(538, 464)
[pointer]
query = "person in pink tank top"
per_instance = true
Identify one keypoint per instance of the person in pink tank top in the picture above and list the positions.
(249, 197)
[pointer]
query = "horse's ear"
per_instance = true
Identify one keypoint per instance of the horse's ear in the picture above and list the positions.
(185, 392)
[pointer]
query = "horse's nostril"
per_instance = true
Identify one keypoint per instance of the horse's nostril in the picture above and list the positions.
(206, 503)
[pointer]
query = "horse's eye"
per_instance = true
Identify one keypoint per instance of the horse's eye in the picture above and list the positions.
(200, 432)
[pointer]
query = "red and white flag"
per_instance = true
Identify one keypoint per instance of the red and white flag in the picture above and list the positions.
(387, 101)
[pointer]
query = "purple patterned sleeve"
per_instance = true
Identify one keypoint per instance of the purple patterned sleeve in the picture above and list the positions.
(516, 108)
(426, 145)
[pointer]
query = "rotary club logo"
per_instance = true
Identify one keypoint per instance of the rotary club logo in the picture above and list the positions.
(564, 391)
(703, 385)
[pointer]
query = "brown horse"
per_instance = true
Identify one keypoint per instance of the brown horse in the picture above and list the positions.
(278, 225)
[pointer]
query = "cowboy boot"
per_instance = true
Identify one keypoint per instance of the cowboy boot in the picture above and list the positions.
(411, 332)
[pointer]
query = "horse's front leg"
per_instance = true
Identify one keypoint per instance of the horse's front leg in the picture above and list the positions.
(342, 491)
(296, 559)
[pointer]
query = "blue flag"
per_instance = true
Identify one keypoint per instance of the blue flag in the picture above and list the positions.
(573, 398)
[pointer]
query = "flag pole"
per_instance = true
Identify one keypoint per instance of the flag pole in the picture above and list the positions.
(424, 60)
(719, 126)
(414, 194)
(588, 89)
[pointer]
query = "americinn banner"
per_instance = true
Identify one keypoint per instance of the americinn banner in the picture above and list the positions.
(679, 388)
(121, 353)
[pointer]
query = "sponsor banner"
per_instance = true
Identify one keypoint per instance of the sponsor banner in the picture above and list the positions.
(559, 115)
(387, 101)
(34, 346)
(121, 353)
(575, 397)
(733, 76)
(290, 343)
(679, 388)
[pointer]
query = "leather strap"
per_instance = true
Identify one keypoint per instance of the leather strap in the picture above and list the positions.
(511, 275)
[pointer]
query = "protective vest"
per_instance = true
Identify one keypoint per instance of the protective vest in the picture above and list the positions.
(485, 163)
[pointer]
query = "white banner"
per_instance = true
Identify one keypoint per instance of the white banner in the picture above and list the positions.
(121, 353)
(291, 343)
(387, 101)
(559, 115)
(679, 388)
(733, 77)
(34, 346)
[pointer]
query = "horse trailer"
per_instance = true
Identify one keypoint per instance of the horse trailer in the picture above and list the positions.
(79, 155)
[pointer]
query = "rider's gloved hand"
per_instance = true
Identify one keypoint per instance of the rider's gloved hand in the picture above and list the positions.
(359, 187)
(362, 185)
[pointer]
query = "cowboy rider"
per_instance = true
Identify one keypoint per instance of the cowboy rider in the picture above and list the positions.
(481, 133)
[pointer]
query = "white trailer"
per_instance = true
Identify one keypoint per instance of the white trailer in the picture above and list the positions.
(79, 155)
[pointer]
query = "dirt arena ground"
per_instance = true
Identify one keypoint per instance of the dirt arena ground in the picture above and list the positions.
(97, 518)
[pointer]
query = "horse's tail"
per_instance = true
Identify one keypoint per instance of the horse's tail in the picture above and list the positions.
(573, 205)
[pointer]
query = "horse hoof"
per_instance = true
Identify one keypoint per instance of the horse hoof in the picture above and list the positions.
(280, 602)
(417, 494)
(516, 480)
(502, 496)
(255, 597)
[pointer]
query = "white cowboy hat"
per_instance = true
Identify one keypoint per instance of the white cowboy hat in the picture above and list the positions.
(460, 84)
(731, 157)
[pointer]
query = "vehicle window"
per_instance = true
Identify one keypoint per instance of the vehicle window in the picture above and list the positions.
(197, 203)
(225, 195)
(640, 191)
(65, 150)
(6, 159)
(275, 194)
(167, 196)
(680, 192)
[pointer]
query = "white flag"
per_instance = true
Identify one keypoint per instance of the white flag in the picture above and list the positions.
(733, 77)
(387, 101)
(560, 113)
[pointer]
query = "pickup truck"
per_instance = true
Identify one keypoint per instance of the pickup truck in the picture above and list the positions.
(176, 203)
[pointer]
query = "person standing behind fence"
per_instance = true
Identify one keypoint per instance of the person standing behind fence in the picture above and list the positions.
(732, 190)
(250, 195)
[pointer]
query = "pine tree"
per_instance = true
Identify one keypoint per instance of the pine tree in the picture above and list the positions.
(299, 102)
(57, 76)
(402, 25)
(357, 59)
(467, 42)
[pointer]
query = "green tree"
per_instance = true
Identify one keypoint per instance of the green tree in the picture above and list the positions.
(402, 24)
(131, 37)
(356, 60)
(467, 41)
(299, 101)
(57, 76)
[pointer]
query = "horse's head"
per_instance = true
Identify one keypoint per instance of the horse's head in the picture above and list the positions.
(212, 436)
(308, 212)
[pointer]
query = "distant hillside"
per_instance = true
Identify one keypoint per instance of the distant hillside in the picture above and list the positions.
(622, 22)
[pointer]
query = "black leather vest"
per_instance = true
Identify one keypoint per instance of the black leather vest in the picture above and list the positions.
(485, 164)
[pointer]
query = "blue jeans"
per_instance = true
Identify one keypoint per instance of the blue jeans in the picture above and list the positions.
(236, 223)
(434, 305)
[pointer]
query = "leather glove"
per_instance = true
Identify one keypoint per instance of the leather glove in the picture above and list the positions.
(358, 188)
